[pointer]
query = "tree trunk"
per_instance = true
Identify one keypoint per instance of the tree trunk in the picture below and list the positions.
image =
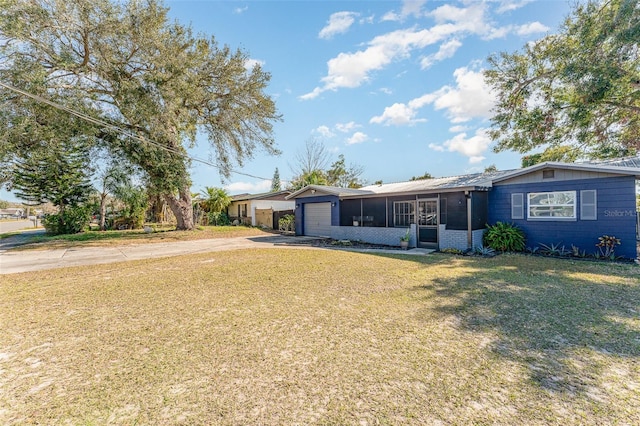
(182, 209)
(103, 212)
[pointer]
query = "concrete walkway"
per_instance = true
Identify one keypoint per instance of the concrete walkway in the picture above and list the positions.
(14, 261)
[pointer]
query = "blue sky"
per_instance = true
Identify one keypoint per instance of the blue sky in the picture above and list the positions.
(395, 87)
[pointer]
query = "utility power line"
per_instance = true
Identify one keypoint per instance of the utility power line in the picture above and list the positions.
(118, 129)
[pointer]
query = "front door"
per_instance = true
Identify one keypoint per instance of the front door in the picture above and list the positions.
(428, 223)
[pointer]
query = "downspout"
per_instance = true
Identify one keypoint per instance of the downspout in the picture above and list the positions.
(386, 212)
(467, 195)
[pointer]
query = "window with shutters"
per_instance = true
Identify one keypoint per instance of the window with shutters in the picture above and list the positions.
(517, 206)
(559, 205)
(588, 205)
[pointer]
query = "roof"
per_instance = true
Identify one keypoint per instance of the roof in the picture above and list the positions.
(609, 167)
(473, 182)
(476, 182)
(633, 162)
(330, 190)
(261, 196)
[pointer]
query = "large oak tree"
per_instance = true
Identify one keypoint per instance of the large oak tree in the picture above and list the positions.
(574, 94)
(125, 63)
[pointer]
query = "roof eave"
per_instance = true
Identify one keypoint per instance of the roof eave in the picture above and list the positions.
(418, 192)
(629, 171)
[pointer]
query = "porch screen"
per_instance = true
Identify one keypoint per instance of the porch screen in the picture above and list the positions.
(404, 213)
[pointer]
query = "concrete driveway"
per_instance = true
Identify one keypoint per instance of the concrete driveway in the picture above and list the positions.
(14, 261)
(15, 225)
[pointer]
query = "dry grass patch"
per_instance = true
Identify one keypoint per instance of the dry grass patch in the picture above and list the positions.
(137, 236)
(322, 337)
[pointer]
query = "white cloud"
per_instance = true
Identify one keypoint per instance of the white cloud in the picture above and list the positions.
(350, 70)
(325, 131)
(521, 30)
(386, 90)
(472, 147)
(357, 137)
(509, 5)
(531, 28)
(398, 115)
(240, 10)
(338, 23)
(471, 98)
(250, 63)
(458, 129)
(470, 19)
(391, 16)
(412, 7)
(436, 147)
(446, 50)
(250, 187)
(409, 7)
(347, 127)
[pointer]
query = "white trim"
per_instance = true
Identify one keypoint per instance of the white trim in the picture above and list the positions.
(550, 198)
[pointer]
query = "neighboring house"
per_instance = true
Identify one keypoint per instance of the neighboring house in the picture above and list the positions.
(11, 213)
(260, 209)
(566, 203)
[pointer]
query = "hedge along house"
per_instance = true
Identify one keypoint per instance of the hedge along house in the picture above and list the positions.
(554, 203)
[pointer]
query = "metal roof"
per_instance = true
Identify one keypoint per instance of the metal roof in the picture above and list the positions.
(475, 181)
(633, 162)
(330, 190)
(263, 195)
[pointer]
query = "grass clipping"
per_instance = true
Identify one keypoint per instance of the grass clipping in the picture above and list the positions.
(322, 337)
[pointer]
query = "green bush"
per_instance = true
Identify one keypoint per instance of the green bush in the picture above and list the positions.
(218, 219)
(504, 237)
(287, 223)
(70, 221)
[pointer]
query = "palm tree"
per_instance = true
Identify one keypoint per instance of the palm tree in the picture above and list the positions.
(215, 200)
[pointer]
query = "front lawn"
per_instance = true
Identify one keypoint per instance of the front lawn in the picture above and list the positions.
(135, 236)
(322, 337)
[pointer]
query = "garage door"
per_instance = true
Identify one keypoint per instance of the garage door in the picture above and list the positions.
(317, 219)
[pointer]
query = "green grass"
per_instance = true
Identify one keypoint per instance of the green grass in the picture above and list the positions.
(322, 337)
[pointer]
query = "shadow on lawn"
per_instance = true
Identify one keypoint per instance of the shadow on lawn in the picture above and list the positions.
(559, 324)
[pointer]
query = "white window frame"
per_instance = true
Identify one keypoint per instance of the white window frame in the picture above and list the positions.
(400, 211)
(551, 196)
(584, 205)
(517, 204)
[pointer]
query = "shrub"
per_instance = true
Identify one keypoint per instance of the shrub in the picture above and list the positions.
(451, 250)
(287, 223)
(218, 219)
(606, 245)
(71, 220)
(553, 250)
(504, 237)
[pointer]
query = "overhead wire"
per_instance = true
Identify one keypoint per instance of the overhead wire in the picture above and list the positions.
(118, 129)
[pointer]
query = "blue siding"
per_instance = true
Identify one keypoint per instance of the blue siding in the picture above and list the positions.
(616, 203)
(299, 211)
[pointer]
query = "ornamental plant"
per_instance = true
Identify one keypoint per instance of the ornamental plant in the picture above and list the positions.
(607, 244)
(504, 237)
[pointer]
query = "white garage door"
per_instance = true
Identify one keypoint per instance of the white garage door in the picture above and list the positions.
(317, 219)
